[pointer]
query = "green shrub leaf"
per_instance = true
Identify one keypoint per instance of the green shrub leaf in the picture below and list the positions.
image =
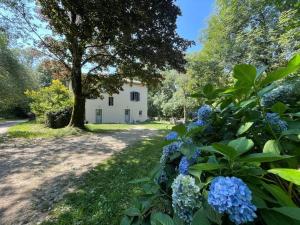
(263, 157)
(241, 145)
(244, 128)
(200, 218)
(159, 218)
(225, 150)
(291, 212)
(291, 175)
(272, 146)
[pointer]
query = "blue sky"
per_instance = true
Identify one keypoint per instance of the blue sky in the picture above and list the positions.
(195, 14)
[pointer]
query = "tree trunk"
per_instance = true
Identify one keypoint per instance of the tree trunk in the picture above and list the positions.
(78, 113)
(184, 114)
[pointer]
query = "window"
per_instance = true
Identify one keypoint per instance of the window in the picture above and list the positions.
(110, 101)
(140, 112)
(135, 96)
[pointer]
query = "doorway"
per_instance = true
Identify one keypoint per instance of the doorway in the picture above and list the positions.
(98, 115)
(127, 115)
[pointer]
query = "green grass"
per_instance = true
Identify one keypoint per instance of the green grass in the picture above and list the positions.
(104, 192)
(36, 130)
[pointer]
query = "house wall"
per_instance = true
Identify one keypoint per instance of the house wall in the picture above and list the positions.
(116, 113)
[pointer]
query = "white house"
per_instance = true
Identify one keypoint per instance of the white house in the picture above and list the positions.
(129, 106)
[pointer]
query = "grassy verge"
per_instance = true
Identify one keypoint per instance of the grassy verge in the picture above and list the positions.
(36, 130)
(105, 191)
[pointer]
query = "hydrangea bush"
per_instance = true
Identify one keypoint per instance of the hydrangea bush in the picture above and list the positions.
(236, 162)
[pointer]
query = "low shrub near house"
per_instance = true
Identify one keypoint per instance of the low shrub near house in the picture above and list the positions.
(235, 163)
(58, 119)
(54, 98)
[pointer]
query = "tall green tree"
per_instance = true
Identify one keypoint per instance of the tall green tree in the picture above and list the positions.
(102, 42)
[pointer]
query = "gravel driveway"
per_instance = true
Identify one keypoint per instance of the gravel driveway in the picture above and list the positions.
(36, 173)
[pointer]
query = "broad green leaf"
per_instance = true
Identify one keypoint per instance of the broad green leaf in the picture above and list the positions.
(125, 221)
(292, 212)
(280, 73)
(263, 157)
(266, 89)
(206, 166)
(241, 145)
(279, 108)
(208, 89)
(180, 129)
(245, 74)
(272, 146)
(282, 197)
(225, 150)
(259, 72)
(244, 128)
(141, 180)
(200, 218)
(132, 212)
(248, 102)
(271, 217)
(296, 114)
(290, 132)
(291, 175)
(159, 218)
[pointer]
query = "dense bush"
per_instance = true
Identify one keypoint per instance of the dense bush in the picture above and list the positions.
(54, 98)
(235, 163)
(58, 119)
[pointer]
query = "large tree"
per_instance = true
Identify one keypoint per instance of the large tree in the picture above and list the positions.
(102, 42)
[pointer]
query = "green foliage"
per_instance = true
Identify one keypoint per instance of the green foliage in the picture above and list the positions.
(15, 79)
(237, 137)
(172, 97)
(49, 99)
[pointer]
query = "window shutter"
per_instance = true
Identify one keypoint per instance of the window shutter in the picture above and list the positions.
(132, 96)
(138, 96)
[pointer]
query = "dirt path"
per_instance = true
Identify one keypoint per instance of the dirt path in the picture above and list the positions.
(35, 173)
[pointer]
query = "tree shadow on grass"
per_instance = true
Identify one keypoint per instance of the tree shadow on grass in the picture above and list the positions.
(101, 195)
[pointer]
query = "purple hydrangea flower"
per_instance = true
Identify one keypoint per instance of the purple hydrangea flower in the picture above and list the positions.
(172, 136)
(232, 196)
(274, 120)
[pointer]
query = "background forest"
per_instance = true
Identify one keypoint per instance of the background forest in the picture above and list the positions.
(263, 33)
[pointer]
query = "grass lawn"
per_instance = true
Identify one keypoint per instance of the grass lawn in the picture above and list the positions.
(36, 130)
(104, 192)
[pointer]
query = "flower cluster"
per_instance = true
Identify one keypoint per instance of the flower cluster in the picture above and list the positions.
(232, 196)
(185, 197)
(204, 112)
(172, 136)
(185, 162)
(168, 150)
(274, 120)
(281, 93)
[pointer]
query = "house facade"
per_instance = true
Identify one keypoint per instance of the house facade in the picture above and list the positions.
(129, 106)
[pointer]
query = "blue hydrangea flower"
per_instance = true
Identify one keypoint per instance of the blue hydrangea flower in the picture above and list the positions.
(195, 155)
(184, 166)
(185, 163)
(172, 136)
(185, 197)
(274, 120)
(282, 93)
(232, 196)
(170, 149)
(196, 124)
(204, 112)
